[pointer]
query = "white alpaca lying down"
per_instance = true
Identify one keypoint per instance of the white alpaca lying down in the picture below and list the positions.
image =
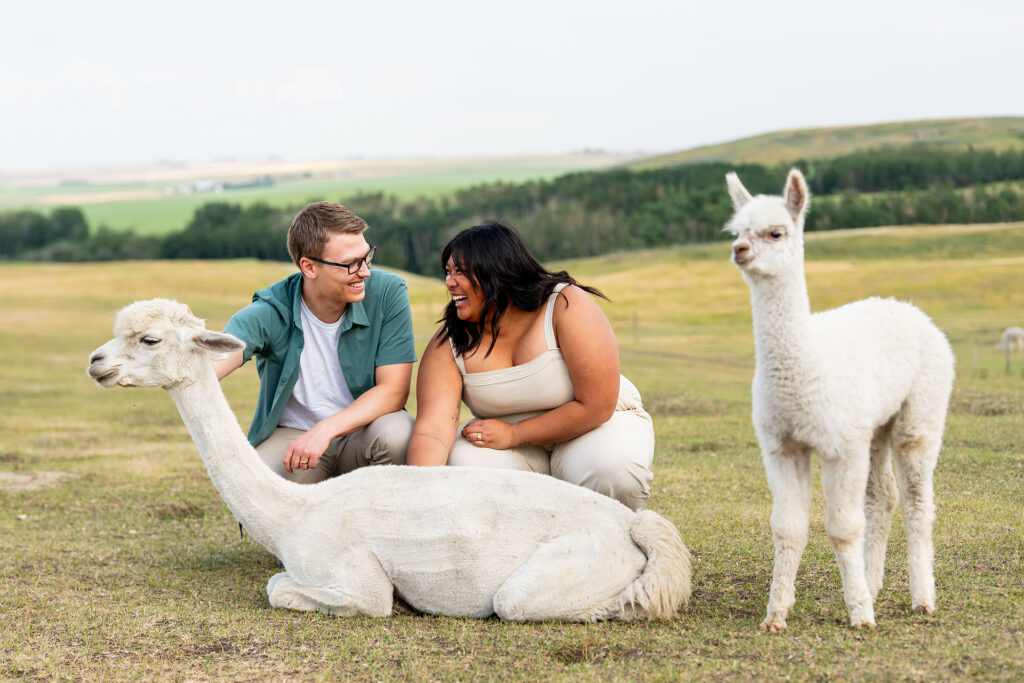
(1012, 340)
(454, 541)
(866, 385)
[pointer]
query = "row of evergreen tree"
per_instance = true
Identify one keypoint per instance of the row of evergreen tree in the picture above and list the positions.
(578, 214)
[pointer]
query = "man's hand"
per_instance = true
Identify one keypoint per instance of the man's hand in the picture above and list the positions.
(306, 450)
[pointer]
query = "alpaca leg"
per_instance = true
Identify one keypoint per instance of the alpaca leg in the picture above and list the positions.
(576, 577)
(844, 481)
(880, 504)
(789, 478)
(354, 584)
(915, 466)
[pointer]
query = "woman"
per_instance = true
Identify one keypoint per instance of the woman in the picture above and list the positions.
(536, 361)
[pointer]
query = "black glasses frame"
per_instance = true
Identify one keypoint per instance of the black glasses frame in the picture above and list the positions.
(352, 267)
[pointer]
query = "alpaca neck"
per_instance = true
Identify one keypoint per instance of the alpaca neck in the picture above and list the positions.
(782, 320)
(263, 502)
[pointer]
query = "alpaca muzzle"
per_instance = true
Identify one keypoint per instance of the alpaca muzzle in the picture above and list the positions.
(741, 253)
(102, 373)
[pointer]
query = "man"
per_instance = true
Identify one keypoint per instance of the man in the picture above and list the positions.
(334, 348)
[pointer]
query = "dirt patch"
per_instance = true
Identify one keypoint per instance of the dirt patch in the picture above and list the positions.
(976, 403)
(177, 510)
(12, 482)
(590, 652)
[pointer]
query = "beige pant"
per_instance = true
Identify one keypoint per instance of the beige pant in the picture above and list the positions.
(382, 442)
(613, 459)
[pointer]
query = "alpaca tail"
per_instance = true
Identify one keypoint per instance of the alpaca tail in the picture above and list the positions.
(664, 585)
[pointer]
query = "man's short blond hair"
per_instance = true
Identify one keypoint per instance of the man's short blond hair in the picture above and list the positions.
(311, 228)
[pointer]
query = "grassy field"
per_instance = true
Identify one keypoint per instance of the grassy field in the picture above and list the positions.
(134, 198)
(119, 560)
(996, 133)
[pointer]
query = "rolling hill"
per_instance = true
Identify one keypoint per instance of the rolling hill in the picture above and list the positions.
(995, 133)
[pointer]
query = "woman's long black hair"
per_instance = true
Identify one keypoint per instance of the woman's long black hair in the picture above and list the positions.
(497, 260)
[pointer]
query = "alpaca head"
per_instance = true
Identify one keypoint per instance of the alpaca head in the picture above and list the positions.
(769, 230)
(157, 343)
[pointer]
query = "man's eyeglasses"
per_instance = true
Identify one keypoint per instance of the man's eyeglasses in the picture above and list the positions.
(352, 267)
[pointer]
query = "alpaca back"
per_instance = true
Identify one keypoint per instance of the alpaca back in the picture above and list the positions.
(454, 551)
(878, 352)
(861, 363)
(880, 344)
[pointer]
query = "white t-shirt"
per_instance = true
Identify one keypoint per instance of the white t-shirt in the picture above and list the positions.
(321, 390)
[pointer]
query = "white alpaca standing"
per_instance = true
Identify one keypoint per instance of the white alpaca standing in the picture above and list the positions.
(448, 540)
(854, 384)
(1013, 339)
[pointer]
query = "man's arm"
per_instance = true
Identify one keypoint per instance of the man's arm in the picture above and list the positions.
(258, 326)
(225, 366)
(388, 396)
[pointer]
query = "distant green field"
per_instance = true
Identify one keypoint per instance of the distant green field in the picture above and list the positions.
(125, 563)
(995, 133)
(159, 216)
(162, 214)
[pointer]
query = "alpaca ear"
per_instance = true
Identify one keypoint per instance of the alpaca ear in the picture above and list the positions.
(739, 194)
(219, 342)
(798, 197)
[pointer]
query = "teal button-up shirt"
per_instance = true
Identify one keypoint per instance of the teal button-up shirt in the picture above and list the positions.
(376, 331)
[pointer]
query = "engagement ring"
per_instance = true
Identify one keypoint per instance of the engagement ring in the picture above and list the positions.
(479, 436)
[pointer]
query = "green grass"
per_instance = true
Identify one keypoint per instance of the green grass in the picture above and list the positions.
(131, 566)
(995, 133)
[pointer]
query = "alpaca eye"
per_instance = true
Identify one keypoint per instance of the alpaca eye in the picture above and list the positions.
(775, 235)
(150, 341)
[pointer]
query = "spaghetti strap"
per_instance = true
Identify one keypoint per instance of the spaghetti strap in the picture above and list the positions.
(549, 313)
(458, 358)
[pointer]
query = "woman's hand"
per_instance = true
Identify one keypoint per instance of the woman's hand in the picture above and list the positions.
(489, 434)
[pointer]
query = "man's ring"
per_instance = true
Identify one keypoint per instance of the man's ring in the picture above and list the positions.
(479, 436)
(303, 462)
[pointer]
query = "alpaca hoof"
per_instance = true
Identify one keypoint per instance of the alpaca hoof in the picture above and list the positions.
(862, 615)
(924, 609)
(773, 624)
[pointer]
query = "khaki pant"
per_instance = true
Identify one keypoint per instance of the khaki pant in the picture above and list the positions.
(382, 442)
(613, 459)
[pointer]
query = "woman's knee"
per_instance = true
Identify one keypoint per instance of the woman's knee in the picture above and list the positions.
(625, 480)
(613, 460)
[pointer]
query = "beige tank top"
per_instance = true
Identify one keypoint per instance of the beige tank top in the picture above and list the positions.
(521, 391)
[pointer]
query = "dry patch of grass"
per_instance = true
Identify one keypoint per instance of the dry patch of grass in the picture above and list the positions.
(13, 482)
(981, 403)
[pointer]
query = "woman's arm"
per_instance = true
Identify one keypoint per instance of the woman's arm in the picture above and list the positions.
(438, 404)
(592, 355)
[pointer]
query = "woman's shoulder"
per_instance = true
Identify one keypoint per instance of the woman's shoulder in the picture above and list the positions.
(439, 340)
(571, 296)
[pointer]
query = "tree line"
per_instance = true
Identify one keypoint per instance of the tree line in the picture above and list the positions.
(578, 214)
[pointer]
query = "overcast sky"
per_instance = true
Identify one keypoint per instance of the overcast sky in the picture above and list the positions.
(112, 82)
